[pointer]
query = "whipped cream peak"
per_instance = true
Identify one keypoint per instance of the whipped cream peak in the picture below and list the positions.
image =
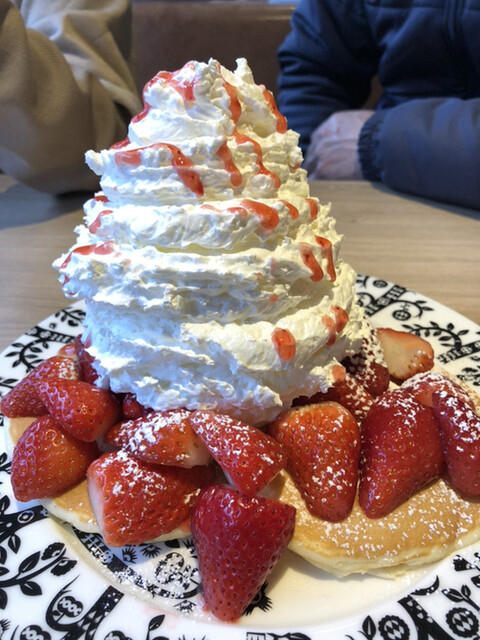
(212, 278)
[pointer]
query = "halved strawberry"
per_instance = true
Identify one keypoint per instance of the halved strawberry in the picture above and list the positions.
(24, 401)
(68, 350)
(249, 457)
(134, 501)
(89, 373)
(322, 443)
(422, 386)
(459, 427)
(346, 391)
(368, 365)
(405, 353)
(131, 407)
(161, 437)
(82, 409)
(239, 540)
(47, 460)
(401, 452)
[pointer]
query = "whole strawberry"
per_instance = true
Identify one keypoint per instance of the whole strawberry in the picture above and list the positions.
(459, 427)
(24, 401)
(249, 457)
(82, 409)
(47, 461)
(401, 452)
(134, 501)
(239, 540)
(322, 443)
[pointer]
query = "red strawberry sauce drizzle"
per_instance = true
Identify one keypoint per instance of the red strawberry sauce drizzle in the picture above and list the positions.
(310, 261)
(284, 343)
(101, 249)
(241, 138)
(293, 211)
(225, 156)
(272, 105)
(336, 324)
(313, 208)
(97, 223)
(101, 197)
(327, 253)
(268, 215)
(182, 164)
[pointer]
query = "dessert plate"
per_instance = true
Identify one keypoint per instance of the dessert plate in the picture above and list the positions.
(57, 582)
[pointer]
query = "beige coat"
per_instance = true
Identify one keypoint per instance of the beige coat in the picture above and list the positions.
(66, 86)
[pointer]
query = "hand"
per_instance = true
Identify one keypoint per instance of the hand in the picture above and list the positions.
(332, 153)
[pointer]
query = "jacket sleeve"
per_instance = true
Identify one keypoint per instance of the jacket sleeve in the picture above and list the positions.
(66, 86)
(426, 147)
(327, 62)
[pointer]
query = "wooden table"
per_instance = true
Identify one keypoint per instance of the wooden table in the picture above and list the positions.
(430, 248)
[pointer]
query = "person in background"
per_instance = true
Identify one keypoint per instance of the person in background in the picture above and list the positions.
(66, 85)
(423, 135)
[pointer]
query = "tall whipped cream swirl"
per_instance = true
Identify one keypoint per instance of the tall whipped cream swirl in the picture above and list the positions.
(211, 278)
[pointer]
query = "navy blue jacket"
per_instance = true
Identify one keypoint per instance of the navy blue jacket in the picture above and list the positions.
(424, 137)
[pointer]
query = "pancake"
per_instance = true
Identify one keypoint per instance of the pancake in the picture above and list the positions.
(431, 525)
(428, 527)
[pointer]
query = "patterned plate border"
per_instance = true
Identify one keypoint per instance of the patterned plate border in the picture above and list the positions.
(56, 582)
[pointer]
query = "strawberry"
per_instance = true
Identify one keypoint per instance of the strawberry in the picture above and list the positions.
(89, 373)
(422, 386)
(68, 350)
(322, 443)
(347, 392)
(401, 452)
(82, 409)
(24, 401)
(47, 460)
(239, 540)
(134, 501)
(131, 408)
(160, 437)
(459, 427)
(248, 456)
(405, 353)
(368, 365)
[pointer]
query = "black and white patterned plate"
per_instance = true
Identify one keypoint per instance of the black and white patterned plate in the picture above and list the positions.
(58, 583)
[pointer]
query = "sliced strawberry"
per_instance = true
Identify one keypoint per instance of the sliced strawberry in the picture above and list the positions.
(459, 427)
(82, 409)
(401, 452)
(68, 350)
(161, 437)
(347, 392)
(368, 366)
(405, 353)
(89, 373)
(249, 457)
(422, 386)
(322, 443)
(47, 460)
(23, 400)
(131, 408)
(238, 540)
(134, 501)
